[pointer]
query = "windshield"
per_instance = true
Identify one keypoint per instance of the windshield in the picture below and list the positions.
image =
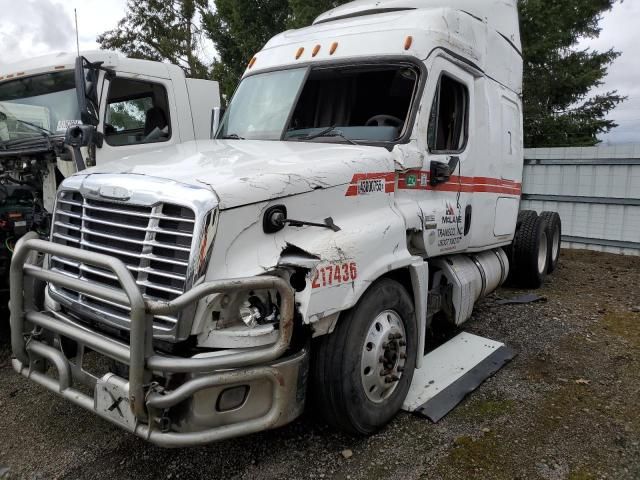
(261, 105)
(354, 104)
(32, 105)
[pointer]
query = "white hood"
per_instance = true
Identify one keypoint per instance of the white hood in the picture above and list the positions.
(243, 172)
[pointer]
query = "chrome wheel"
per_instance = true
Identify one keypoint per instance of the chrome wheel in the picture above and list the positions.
(384, 355)
(543, 254)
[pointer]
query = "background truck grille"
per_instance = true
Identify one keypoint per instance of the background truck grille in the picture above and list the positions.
(153, 242)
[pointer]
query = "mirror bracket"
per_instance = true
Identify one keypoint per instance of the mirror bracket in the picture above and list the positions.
(81, 136)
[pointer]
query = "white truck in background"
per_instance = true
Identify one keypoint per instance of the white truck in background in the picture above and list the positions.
(364, 184)
(46, 104)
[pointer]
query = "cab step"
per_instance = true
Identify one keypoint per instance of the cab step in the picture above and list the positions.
(452, 371)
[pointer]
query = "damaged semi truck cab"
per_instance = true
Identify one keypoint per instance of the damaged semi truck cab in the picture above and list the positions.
(364, 180)
(60, 114)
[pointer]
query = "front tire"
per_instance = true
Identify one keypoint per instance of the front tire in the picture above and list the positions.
(363, 370)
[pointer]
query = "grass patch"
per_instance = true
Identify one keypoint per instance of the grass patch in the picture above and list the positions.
(625, 325)
(487, 408)
(580, 474)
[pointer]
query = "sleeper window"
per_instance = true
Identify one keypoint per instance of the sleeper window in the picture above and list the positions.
(137, 112)
(449, 116)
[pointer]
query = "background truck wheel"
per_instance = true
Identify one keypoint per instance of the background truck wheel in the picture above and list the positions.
(363, 370)
(530, 251)
(554, 235)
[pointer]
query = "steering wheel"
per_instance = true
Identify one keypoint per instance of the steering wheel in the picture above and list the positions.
(384, 121)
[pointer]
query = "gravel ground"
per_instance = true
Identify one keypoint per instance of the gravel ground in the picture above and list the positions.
(565, 408)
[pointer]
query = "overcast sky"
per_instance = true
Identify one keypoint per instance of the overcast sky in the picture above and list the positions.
(34, 27)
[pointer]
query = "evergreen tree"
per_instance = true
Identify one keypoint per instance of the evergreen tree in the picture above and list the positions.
(304, 12)
(239, 29)
(161, 30)
(558, 77)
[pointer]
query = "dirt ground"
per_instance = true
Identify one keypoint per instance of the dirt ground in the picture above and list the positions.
(566, 408)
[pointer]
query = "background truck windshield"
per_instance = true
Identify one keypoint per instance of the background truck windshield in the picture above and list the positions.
(363, 104)
(48, 101)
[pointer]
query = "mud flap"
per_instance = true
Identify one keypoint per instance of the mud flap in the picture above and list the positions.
(451, 372)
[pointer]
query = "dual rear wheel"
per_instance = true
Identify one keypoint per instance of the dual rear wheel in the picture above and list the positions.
(535, 250)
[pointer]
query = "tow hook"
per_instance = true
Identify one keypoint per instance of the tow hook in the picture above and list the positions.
(165, 421)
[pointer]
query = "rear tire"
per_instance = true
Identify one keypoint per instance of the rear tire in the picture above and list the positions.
(523, 215)
(363, 370)
(530, 252)
(554, 235)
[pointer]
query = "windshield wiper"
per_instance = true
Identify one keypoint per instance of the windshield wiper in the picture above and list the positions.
(45, 132)
(327, 132)
(232, 136)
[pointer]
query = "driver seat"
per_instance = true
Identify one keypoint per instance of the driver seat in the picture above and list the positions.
(154, 118)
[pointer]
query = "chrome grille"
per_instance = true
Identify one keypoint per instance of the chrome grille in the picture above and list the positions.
(154, 242)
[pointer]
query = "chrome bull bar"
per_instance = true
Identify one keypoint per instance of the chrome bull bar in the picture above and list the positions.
(139, 354)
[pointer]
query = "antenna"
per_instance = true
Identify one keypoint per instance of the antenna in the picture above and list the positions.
(75, 12)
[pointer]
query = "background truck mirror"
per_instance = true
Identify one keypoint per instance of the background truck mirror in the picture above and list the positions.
(86, 80)
(81, 136)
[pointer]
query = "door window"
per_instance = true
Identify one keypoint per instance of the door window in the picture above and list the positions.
(449, 117)
(137, 112)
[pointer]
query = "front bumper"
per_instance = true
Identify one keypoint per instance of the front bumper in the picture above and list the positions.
(186, 414)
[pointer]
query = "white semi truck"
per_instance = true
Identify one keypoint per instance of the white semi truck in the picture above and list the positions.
(364, 182)
(60, 113)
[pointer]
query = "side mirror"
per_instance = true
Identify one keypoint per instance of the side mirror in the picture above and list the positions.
(216, 118)
(86, 79)
(441, 172)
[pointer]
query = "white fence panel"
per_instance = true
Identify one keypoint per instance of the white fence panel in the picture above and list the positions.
(596, 191)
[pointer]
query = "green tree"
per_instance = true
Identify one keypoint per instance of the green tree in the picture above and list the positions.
(161, 30)
(303, 12)
(239, 29)
(558, 77)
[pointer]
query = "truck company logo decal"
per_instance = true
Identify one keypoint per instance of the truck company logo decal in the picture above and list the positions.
(368, 183)
(371, 183)
(334, 274)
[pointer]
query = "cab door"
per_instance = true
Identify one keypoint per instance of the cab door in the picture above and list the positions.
(138, 115)
(443, 188)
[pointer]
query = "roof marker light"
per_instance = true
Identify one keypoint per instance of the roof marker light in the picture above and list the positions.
(334, 47)
(299, 53)
(316, 49)
(253, 62)
(59, 67)
(408, 42)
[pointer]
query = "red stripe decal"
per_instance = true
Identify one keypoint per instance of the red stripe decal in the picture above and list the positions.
(419, 180)
(376, 182)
